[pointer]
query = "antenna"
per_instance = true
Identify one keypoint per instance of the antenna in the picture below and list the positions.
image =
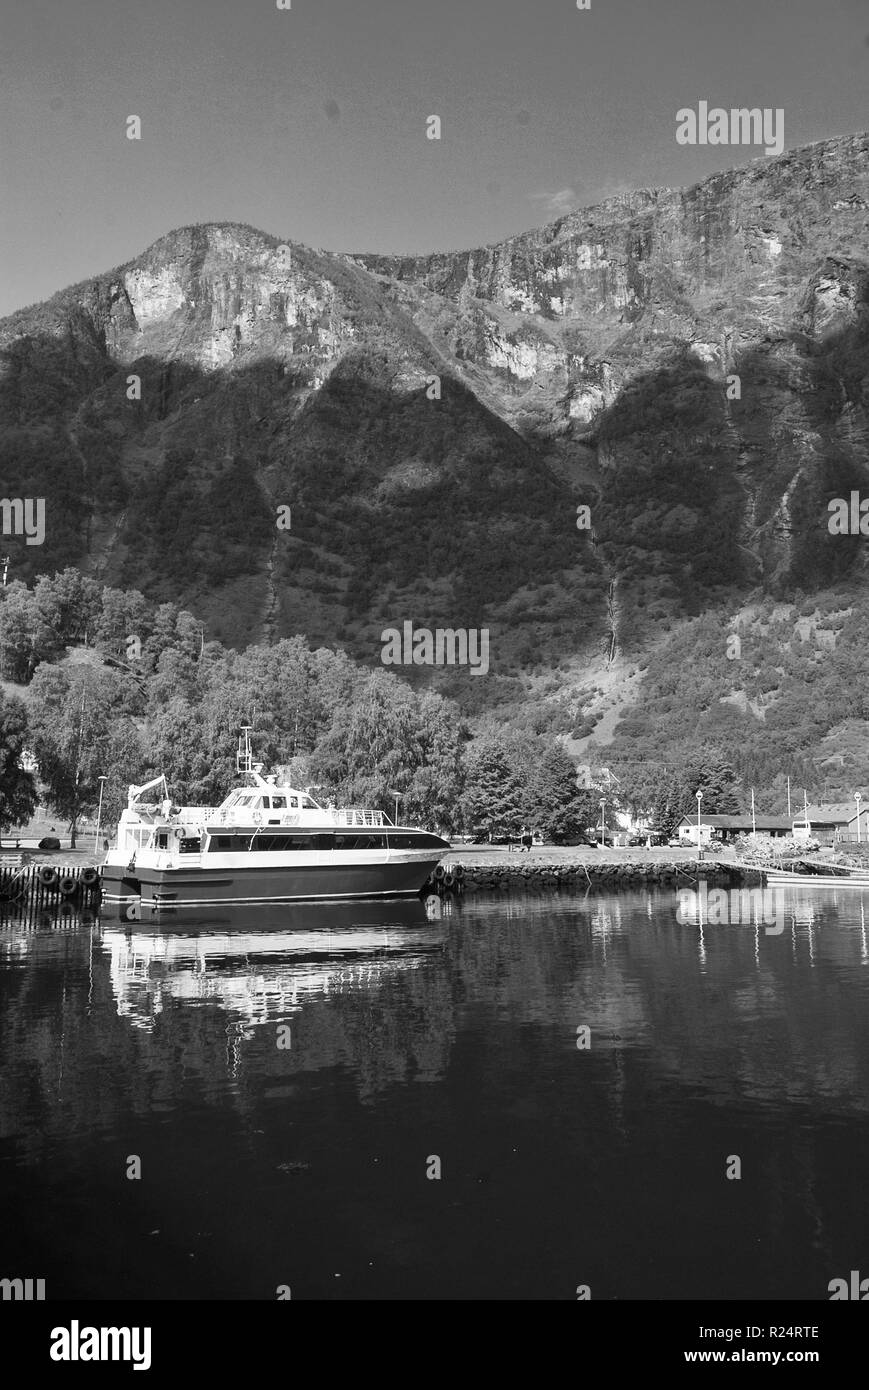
(243, 757)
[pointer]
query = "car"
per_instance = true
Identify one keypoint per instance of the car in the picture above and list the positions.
(657, 837)
(593, 835)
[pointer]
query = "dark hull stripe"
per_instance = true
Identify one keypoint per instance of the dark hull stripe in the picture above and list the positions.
(257, 885)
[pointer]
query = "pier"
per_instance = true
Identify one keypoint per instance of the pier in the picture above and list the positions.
(47, 885)
(476, 868)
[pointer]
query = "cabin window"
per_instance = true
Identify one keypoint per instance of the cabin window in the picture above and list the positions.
(360, 841)
(226, 843)
(279, 803)
(418, 841)
(282, 843)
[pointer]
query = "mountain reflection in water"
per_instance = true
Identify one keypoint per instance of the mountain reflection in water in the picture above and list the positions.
(285, 1076)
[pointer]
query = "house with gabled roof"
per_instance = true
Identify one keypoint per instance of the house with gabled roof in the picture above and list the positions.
(724, 828)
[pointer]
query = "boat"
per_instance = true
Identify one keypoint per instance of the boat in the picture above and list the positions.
(265, 843)
(789, 878)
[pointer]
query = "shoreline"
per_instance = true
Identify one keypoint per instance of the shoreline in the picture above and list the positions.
(551, 867)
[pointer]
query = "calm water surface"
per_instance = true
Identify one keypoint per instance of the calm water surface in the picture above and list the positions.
(305, 1165)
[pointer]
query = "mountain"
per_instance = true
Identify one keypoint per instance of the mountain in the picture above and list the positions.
(690, 364)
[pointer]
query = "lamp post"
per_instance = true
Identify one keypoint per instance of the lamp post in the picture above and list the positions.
(102, 781)
(858, 798)
(753, 820)
(699, 799)
(602, 820)
(397, 796)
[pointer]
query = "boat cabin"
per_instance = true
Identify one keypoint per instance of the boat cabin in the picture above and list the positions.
(282, 799)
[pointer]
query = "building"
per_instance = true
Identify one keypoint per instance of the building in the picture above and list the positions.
(724, 828)
(832, 825)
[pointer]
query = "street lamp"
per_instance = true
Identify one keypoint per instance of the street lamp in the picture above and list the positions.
(699, 799)
(102, 781)
(602, 820)
(397, 796)
(858, 798)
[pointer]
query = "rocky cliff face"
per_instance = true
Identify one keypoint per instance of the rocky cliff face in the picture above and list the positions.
(607, 290)
(691, 364)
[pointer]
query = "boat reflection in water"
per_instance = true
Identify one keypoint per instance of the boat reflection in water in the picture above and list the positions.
(261, 963)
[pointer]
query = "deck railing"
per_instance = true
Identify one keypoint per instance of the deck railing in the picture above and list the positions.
(356, 816)
(238, 815)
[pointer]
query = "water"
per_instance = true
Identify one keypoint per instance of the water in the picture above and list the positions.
(405, 1040)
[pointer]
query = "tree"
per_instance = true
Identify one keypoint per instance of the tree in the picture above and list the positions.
(163, 634)
(655, 791)
(17, 787)
(125, 614)
(555, 804)
(288, 689)
(25, 637)
(495, 796)
(376, 746)
(195, 745)
(436, 782)
(707, 770)
(79, 733)
(671, 801)
(70, 604)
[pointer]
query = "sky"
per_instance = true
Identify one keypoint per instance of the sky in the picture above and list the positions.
(310, 122)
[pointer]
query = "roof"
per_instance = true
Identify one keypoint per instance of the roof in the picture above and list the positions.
(839, 813)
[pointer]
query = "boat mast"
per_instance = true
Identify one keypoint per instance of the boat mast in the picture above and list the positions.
(244, 757)
(244, 762)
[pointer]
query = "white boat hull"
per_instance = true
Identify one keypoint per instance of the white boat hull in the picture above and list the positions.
(788, 879)
(178, 881)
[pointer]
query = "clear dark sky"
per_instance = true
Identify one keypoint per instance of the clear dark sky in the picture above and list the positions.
(310, 123)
